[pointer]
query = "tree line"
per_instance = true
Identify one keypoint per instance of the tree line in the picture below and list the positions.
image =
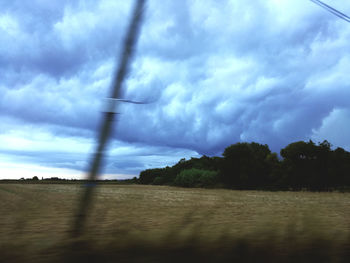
(301, 165)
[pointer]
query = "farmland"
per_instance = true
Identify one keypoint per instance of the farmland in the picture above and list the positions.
(139, 223)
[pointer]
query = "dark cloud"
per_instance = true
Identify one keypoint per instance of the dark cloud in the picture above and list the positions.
(60, 38)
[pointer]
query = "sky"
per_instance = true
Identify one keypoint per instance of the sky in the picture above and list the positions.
(215, 73)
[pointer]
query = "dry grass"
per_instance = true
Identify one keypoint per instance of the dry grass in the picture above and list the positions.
(155, 223)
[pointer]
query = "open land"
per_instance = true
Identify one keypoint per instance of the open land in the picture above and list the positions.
(138, 223)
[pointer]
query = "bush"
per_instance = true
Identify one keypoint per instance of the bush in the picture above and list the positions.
(196, 177)
(148, 176)
(158, 180)
(208, 178)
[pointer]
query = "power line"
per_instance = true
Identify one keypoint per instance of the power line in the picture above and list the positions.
(332, 10)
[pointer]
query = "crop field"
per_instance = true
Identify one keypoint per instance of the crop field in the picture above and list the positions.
(137, 223)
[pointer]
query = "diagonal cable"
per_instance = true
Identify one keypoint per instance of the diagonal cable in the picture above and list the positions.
(332, 10)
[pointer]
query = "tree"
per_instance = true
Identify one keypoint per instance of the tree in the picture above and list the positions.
(148, 176)
(275, 171)
(307, 165)
(253, 166)
(244, 165)
(35, 178)
(159, 180)
(340, 168)
(196, 177)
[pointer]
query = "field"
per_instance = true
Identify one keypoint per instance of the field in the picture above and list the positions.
(135, 223)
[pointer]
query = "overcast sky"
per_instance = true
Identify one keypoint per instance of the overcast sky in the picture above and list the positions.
(216, 72)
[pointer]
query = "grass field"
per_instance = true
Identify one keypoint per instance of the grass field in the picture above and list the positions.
(135, 223)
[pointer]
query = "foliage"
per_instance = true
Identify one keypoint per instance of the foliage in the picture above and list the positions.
(158, 180)
(148, 176)
(196, 177)
(314, 167)
(301, 165)
(245, 165)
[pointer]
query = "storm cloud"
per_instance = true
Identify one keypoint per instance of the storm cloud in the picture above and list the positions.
(214, 73)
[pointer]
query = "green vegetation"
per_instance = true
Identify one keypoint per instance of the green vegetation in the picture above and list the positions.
(303, 165)
(147, 223)
(195, 177)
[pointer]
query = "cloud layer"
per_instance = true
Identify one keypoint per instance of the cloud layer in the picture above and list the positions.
(215, 73)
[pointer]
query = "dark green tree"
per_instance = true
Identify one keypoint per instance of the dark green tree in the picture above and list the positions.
(340, 168)
(244, 165)
(196, 178)
(148, 176)
(307, 165)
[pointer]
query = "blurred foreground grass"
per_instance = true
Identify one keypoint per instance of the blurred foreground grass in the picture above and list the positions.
(135, 223)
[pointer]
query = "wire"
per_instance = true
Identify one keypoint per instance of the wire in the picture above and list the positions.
(131, 101)
(332, 10)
